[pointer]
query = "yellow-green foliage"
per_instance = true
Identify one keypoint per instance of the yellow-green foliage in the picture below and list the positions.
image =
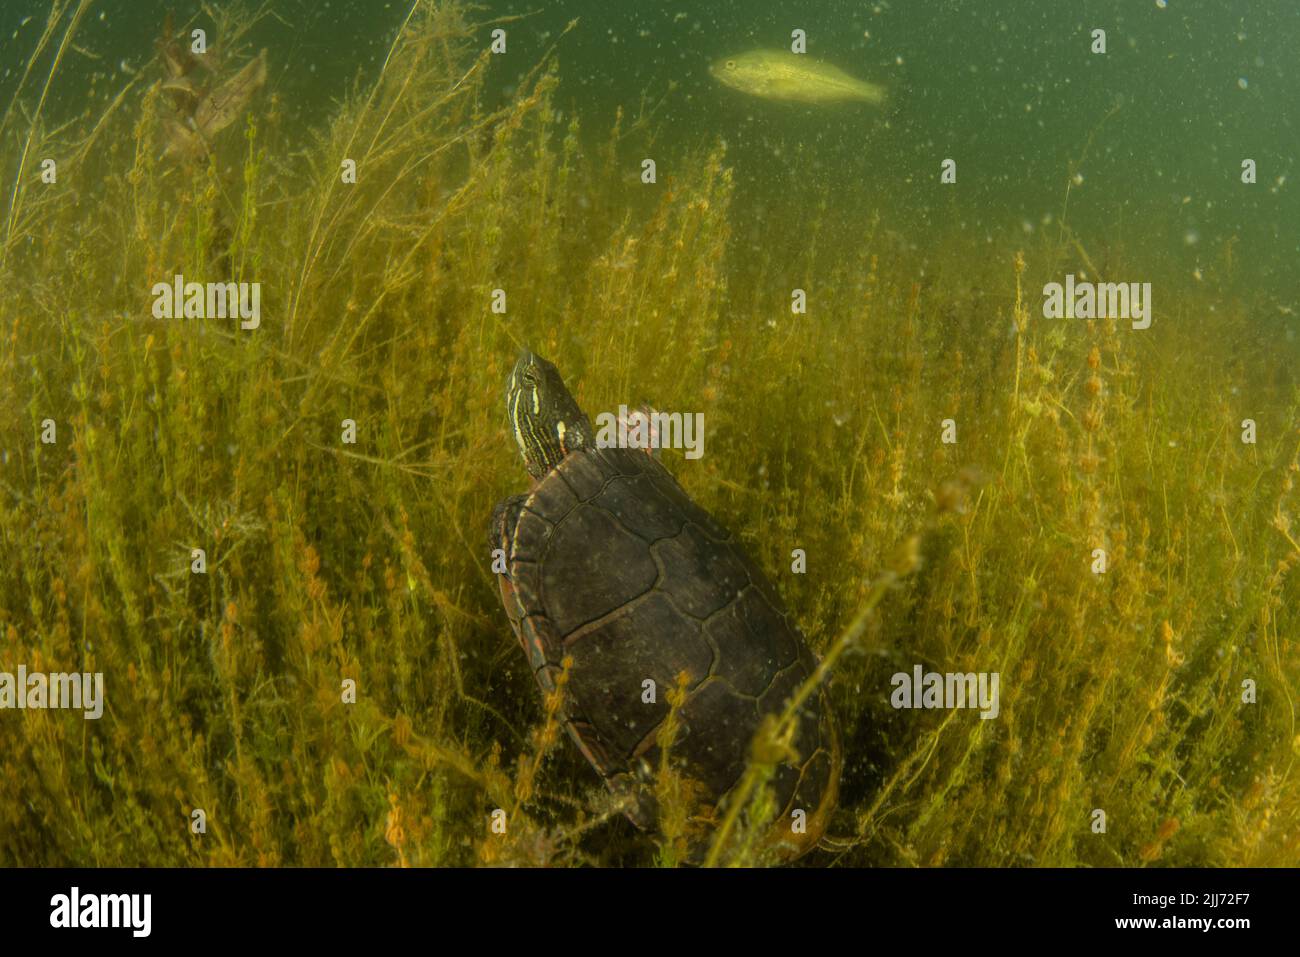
(328, 561)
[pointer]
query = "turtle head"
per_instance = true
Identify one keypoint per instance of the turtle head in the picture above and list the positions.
(545, 420)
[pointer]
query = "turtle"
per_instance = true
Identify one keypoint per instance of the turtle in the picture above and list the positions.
(611, 575)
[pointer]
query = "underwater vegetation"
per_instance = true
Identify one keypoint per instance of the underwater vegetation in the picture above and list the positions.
(328, 561)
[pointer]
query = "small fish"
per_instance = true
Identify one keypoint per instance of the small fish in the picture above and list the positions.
(200, 115)
(780, 75)
(184, 93)
(224, 105)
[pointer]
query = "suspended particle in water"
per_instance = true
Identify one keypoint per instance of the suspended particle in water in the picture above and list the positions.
(1241, 83)
(1162, 4)
(1077, 179)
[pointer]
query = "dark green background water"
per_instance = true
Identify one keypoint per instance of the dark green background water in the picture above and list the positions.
(1007, 88)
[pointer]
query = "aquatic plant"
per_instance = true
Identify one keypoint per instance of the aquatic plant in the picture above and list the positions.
(328, 561)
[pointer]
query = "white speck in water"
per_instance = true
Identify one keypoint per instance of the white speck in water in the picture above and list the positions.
(1241, 83)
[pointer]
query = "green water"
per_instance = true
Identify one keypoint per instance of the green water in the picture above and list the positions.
(1156, 127)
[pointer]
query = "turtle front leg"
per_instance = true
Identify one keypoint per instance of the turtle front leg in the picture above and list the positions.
(501, 533)
(641, 426)
(501, 536)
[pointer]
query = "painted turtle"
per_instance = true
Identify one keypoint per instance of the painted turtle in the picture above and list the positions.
(608, 562)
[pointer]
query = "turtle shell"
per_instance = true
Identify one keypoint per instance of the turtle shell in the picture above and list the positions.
(611, 565)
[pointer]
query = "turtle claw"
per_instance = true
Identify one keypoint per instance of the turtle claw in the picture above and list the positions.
(501, 531)
(638, 419)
